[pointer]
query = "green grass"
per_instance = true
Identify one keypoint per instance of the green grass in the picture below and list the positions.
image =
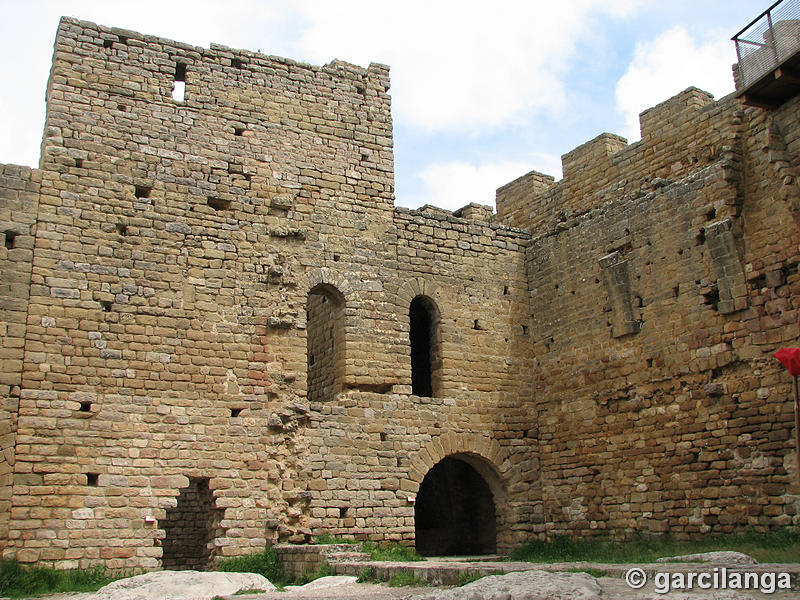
(403, 579)
(391, 552)
(333, 539)
(252, 591)
(366, 575)
(17, 581)
(266, 563)
(781, 546)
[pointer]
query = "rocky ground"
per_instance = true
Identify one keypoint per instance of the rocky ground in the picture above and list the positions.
(526, 581)
(529, 585)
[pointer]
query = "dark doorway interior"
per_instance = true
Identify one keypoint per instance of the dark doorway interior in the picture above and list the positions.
(191, 528)
(454, 512)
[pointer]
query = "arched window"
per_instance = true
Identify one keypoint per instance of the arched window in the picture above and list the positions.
(425, 353)
(324, 342)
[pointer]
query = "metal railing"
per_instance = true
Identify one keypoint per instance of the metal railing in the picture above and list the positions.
(767, 41)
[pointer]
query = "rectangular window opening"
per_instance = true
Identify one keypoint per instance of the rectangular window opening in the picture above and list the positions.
(106, 305)
(236, 63)
(179, 85)
(92, 479)
(180, 71)
(219, 203)
(86, 406)
(179, 91)
(143, 191)
(235, 412)
(238, 131)
(108, 44)
(11, 237)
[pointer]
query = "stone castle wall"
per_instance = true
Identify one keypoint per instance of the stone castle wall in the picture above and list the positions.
(19, 199)
(662, 277)
(209, 308)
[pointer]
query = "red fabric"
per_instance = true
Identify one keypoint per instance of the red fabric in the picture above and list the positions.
(790, 357)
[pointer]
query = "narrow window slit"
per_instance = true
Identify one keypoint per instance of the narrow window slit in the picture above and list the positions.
(235, 412)
(143, 191)
(236, 63)
(108, 44)
(179, 85)
(11, 237)
(106, 305)
(92, 479)
(238, 131)
(122, 229)
(86, 406)
(424, 337)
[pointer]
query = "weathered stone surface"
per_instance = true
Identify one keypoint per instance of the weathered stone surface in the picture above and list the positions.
(727, 557)
(181, 585)
(528, 585)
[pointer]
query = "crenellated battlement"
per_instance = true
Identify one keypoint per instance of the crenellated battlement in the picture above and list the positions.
(679, 135)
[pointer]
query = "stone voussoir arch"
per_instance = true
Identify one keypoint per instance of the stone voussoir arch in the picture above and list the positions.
(326, 276)
(414, 287)
(487, 451)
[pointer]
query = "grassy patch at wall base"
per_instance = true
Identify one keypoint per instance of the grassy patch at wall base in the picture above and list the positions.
(391, 552)
(17, 580)
(266, 563)
(777, 546)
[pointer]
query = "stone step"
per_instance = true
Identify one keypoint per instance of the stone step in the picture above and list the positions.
(349, 557)
(448, 572)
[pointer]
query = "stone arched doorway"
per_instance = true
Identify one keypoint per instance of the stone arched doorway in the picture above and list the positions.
(454, 512)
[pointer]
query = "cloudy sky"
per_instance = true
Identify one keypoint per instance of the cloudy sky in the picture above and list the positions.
(482, 92)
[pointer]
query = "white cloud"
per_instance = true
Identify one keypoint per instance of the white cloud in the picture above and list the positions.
(669, 64)
(456, 184)
(468, 65)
